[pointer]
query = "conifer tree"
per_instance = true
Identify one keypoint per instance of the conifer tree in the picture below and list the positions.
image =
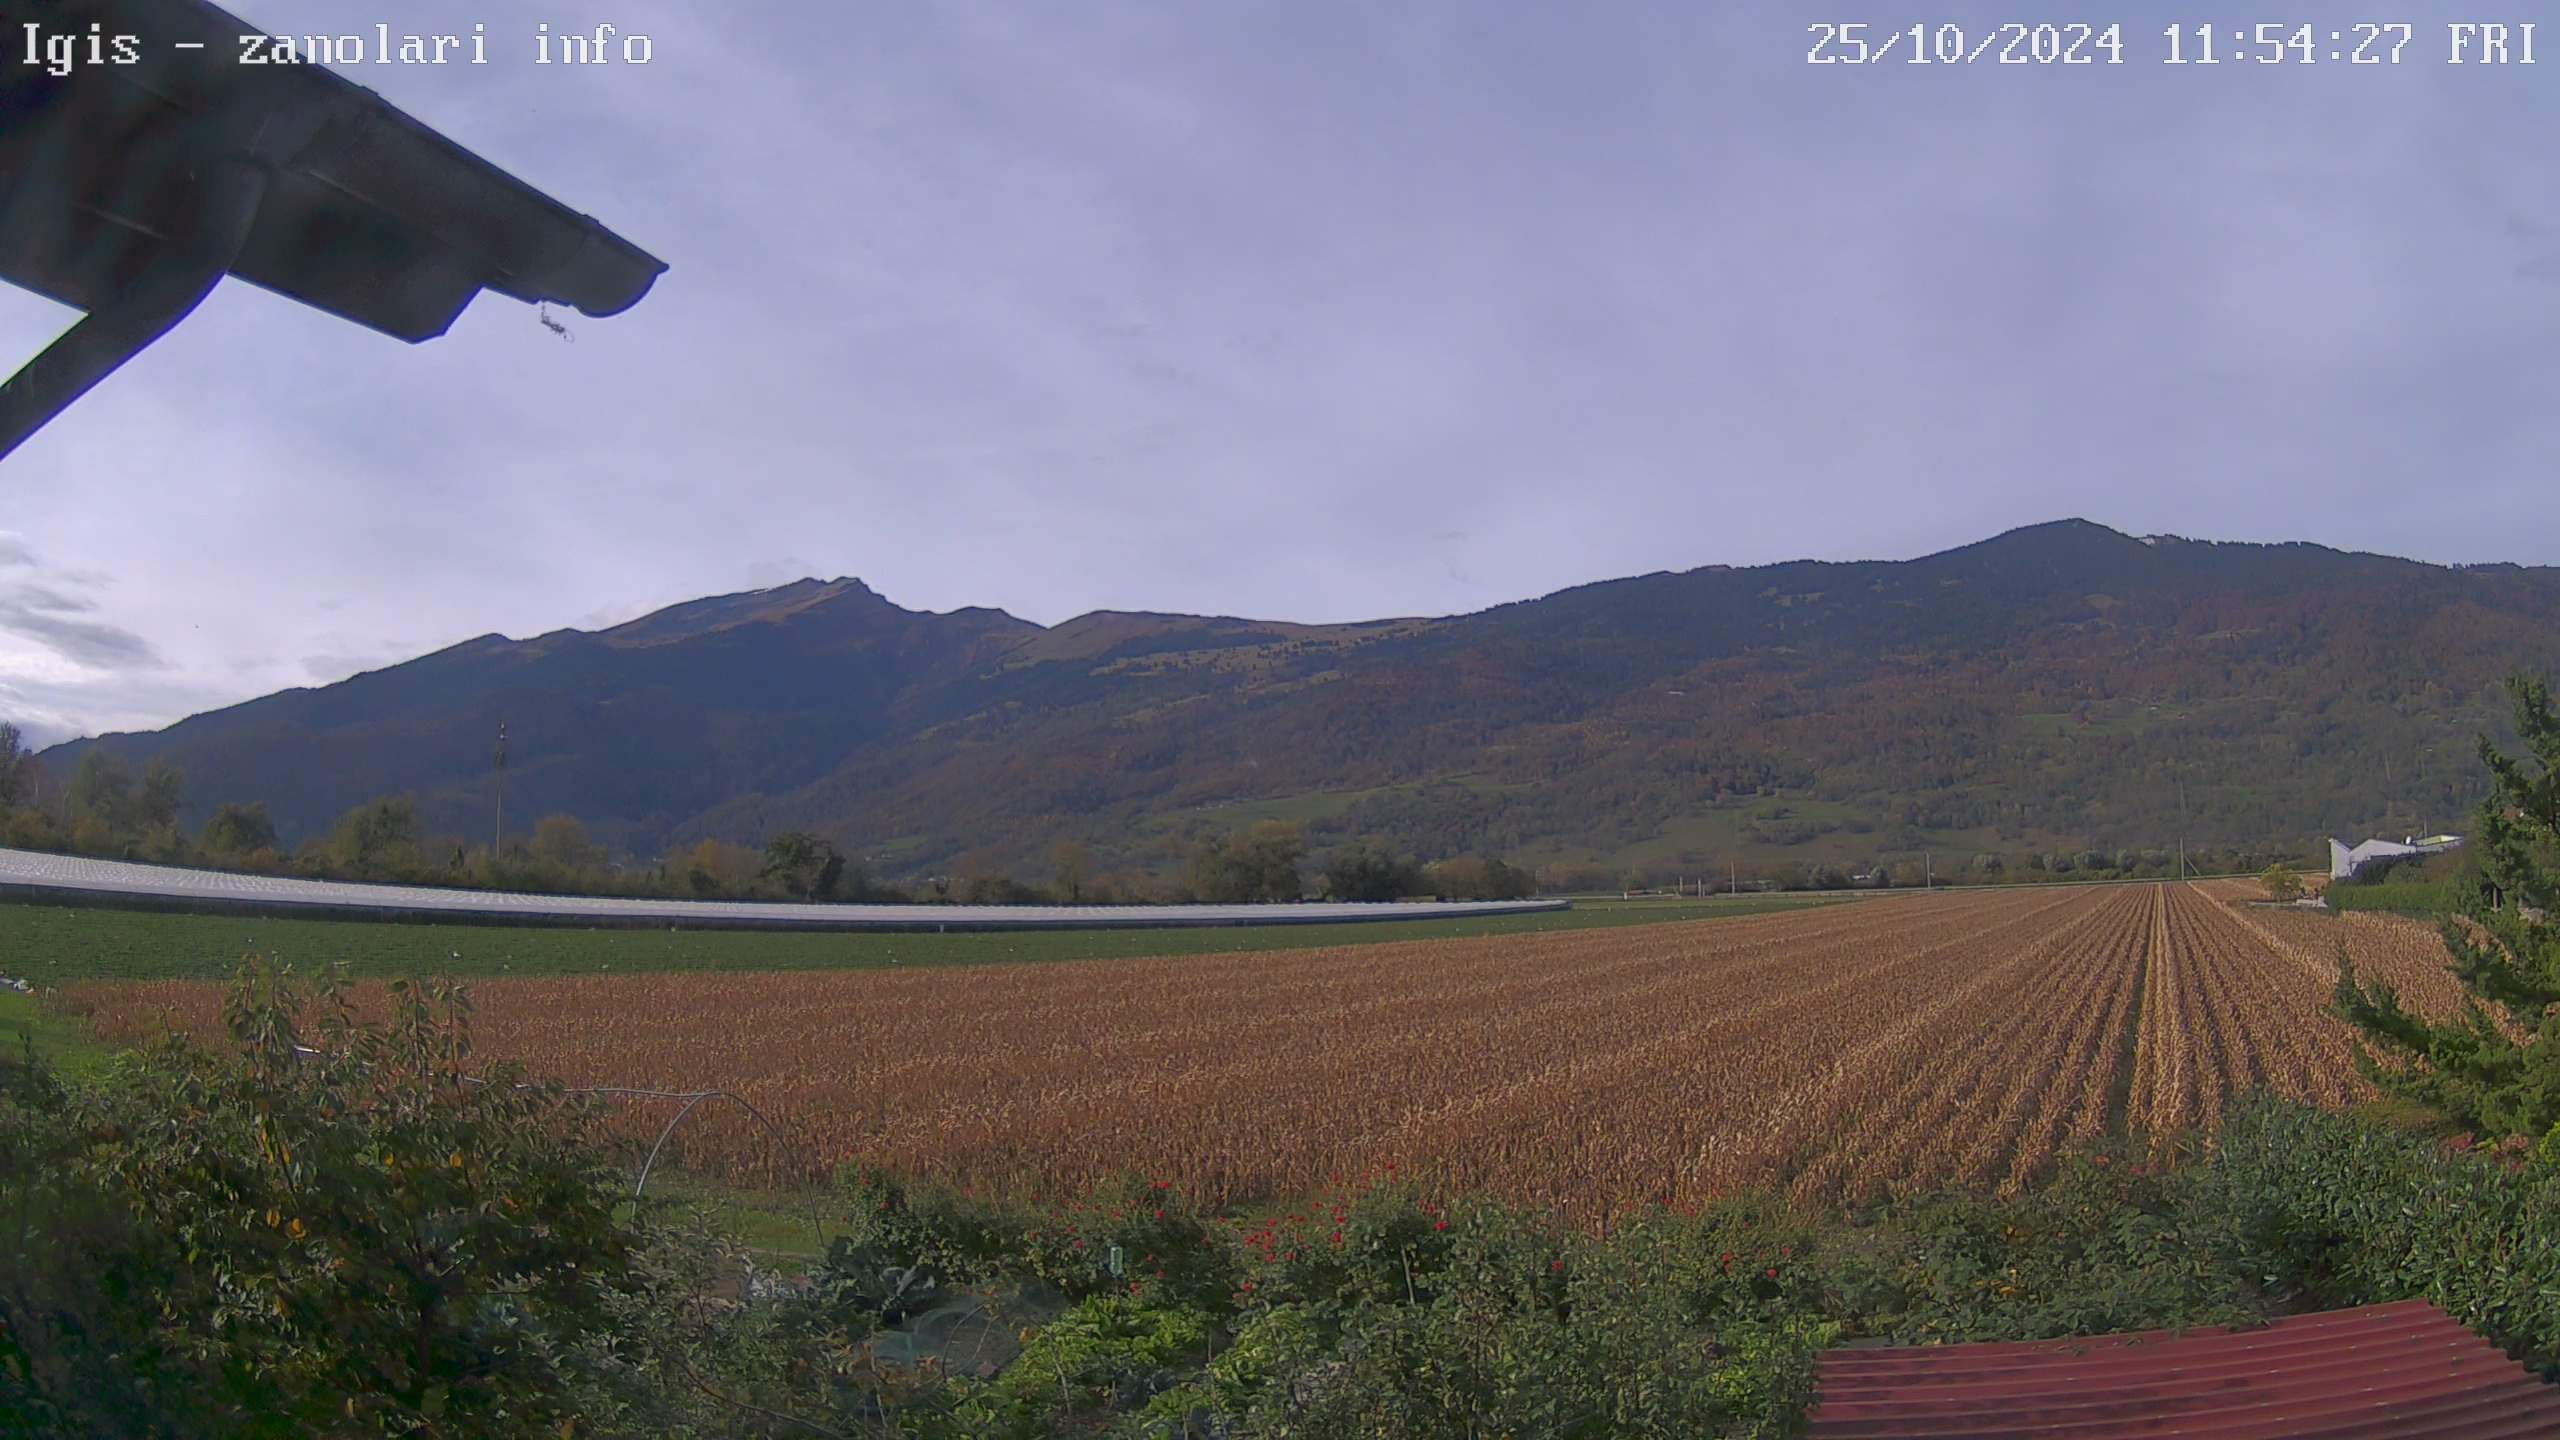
(2496, 1067)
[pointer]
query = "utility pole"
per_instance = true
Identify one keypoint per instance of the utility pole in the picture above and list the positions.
(1930, 871)
(498, 847)
(2182, 827)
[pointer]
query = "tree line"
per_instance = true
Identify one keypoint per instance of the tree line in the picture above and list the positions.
(110, 811)
(1906, 871)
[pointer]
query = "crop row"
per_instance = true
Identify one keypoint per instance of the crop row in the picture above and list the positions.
(1840, 1053)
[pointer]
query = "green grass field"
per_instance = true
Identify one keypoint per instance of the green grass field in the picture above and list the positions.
(62, 1041)
(57, 945)
(2418, 899)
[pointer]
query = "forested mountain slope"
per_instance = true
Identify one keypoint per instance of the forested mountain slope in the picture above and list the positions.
(2047, 687)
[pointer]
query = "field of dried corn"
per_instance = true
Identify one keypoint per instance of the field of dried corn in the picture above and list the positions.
(1840, 1054)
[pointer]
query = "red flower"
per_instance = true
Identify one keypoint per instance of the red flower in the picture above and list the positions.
(1439, 1224)
(1773, 1272)
(1555, 1264)
(1159, 1214)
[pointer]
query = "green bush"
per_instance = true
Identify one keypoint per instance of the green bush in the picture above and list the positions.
(1473, 1362)
(1109, 1354)
(346, 1239)
(1742, 1261)
(2344, 1212)
(1384, 1242)
(1165, 1248)
(1281, 1340)
(2424, 899)
(332, 1230)
(2106, 1245)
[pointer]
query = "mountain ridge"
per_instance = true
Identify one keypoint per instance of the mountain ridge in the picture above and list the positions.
(1883, 705)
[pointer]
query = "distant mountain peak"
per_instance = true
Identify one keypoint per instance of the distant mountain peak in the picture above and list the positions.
(806, 585)
(772, 604)
(2054, 542)
(2073, 528)
(2068, 654)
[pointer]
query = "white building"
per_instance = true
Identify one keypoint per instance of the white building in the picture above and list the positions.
(2345, 861)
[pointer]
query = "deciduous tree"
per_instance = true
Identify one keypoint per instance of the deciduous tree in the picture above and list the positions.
(561, 841)
(1477, 877)
(378, 837)
(16, 767)
(1361, 871)
(102, 792)
(162, 795)
(1072, 864)
(237, 830)
(806, 865)
(1259, 866)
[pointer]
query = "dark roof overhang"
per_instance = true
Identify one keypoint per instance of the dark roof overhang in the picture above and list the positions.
(128, 189)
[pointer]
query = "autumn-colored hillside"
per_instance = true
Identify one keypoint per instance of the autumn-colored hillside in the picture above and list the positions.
(2050, 687)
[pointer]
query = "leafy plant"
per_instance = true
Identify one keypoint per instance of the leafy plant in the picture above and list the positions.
(2344, 1212)
(1108, 1353)
(336, 1227)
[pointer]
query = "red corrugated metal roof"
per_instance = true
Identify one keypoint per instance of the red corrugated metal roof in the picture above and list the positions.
(2388, 1372)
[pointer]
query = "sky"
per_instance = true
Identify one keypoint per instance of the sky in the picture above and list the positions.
(1315, 310)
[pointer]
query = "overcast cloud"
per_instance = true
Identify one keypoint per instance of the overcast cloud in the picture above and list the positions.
(1320, 311)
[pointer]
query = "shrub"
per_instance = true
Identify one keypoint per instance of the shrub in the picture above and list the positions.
(1475, 877)
(1108, 1353)
(1472, 1363)
(2424, 899)
(1361, 871)
(2346, 1212)
(349, 1238)
(2104, 1246)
